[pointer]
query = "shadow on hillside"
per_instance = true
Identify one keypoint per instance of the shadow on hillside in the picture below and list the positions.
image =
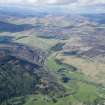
(8, 27)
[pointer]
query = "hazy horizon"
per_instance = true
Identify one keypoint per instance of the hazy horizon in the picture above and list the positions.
(73, 6)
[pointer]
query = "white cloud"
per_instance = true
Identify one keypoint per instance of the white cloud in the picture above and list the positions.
(37, 1)
(91, 2)
(75, 5)
(11, 1)
(79, 2)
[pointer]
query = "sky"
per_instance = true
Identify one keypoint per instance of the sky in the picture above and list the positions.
(75, 5)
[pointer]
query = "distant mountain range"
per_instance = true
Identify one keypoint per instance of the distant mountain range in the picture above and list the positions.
(99, 18)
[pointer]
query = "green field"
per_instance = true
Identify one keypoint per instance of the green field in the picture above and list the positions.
(82, 89)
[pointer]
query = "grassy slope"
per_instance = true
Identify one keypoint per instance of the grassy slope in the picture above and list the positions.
(38, 42)
(88, 67)
(83, 91)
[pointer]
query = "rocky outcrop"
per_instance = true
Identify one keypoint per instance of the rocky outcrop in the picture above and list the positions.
(32, 55)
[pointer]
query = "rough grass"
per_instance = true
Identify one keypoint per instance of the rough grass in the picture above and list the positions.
(82, 90)
(88, 67)
(86, 93)
(52, 64)
(34, 41)
(45, 100)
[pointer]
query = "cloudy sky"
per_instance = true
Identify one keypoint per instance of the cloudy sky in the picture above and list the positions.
(60, 2)
(87, 5)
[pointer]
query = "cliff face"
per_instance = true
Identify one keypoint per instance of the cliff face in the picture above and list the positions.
(32, 55)
(22, 72)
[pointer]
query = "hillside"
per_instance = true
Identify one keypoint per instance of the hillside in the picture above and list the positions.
(51, 58)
